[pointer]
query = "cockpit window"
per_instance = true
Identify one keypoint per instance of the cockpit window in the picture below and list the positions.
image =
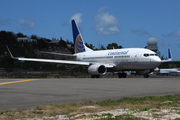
(146, 55)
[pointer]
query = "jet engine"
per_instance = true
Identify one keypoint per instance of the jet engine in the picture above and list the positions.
(97, 69)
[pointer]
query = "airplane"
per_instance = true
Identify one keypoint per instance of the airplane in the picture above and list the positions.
(166, 71)
(99, 62)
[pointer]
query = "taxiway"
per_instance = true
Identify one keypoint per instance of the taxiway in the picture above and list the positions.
(25, 93)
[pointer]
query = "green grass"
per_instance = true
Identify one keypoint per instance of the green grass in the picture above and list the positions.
(150, 104)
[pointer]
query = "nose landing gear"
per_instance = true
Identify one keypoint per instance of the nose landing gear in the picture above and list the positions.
(122, 75)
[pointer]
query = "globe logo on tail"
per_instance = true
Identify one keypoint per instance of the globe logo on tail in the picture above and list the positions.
(79, 45)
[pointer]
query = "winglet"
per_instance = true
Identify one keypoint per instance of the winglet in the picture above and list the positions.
(10, 52)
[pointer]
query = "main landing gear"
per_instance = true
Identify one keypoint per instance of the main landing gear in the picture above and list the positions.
(146, 75)
(95, 76)
(122, 75)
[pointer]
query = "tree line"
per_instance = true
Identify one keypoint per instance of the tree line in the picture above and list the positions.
(27, 49)
(10, 38)
(24, 48)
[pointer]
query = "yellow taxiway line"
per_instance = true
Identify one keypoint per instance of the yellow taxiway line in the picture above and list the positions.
(18, 81)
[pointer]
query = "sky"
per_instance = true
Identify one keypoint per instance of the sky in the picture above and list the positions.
(129, 23)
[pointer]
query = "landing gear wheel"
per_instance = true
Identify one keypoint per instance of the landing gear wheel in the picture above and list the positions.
(146, 75)
(122, 75)
(97, 76)
(94, 76)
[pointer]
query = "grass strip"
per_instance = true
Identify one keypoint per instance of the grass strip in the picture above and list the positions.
(137, 105)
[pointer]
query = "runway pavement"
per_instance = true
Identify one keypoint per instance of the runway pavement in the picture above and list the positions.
(25, 93)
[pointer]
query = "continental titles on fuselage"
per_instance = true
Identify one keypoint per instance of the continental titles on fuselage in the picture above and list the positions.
(118, 53)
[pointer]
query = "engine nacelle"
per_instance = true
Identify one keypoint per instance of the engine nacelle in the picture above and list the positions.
(97, 69)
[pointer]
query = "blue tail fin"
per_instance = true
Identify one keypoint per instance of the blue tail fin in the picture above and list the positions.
(169, 55)
(78, 41)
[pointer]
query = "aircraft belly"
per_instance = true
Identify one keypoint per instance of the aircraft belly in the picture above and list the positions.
(135, 65)
(124, 65)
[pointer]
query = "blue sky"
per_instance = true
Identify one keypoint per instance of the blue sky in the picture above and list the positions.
(129, 23)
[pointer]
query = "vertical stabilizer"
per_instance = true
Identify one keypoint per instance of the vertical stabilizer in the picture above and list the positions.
(169, 55)
(79, 45)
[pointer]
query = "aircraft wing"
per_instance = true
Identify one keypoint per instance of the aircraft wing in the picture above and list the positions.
(70, 55)
(107, 65)
(54, 61)
(164, 72)
(49, 60)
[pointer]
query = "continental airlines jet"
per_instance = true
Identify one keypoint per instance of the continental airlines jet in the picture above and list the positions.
(141, 60)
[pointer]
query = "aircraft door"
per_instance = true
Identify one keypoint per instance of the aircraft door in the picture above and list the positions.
(136, 56)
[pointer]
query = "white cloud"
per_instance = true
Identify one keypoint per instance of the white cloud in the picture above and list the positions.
(77, 18)
(165, 43)
(107, 24)
(175, 33)
(140, 32)
(26, 23)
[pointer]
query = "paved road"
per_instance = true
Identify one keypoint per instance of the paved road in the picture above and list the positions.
(25, 93)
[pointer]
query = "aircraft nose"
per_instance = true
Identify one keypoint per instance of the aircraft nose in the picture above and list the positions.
(156, 60)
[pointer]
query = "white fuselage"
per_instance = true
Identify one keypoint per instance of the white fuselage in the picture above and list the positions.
(124, 59)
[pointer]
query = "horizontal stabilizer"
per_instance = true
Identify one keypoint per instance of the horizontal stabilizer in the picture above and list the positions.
(70, 55)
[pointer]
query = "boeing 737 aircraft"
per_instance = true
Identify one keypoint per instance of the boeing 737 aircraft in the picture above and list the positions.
(141, 60)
